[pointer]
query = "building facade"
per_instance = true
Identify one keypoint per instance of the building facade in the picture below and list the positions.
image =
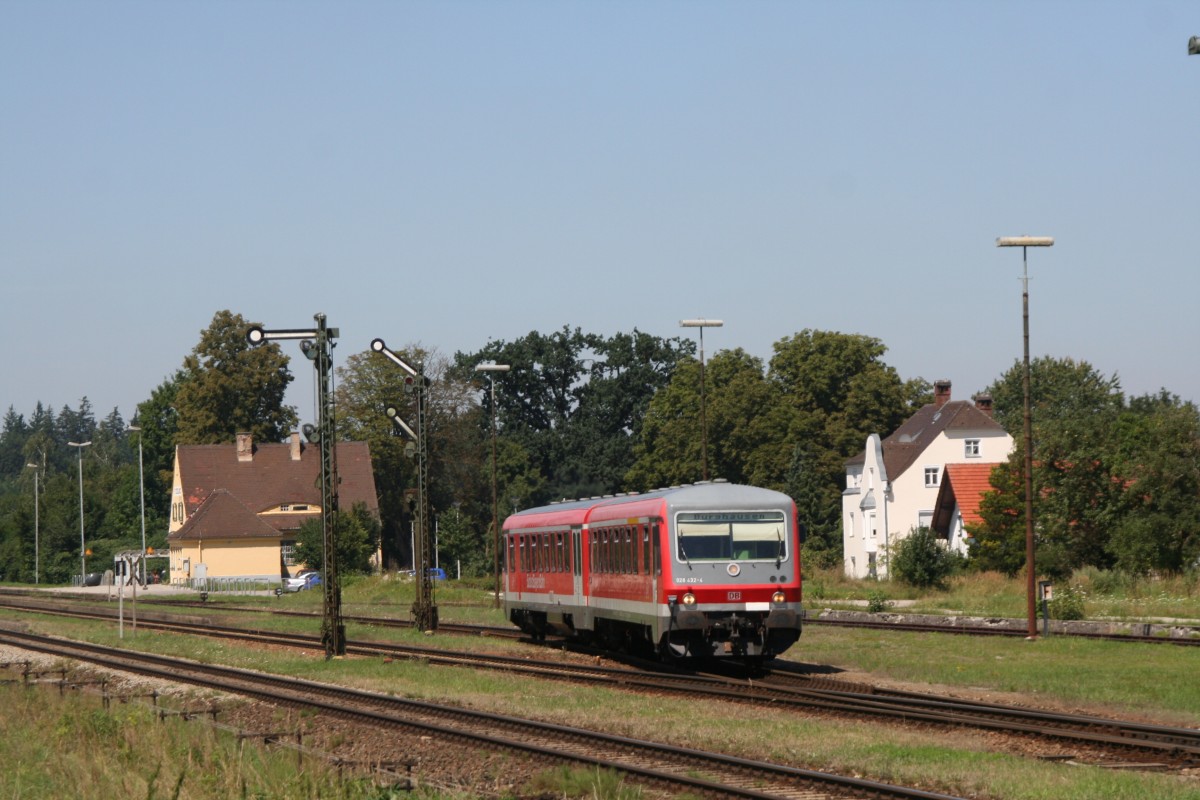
(236, 508)
(892, 487)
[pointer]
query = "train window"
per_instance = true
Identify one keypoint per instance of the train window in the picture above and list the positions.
(708, 536)
(645, 550)
(630, 552)
(655, 540)
(577, 552)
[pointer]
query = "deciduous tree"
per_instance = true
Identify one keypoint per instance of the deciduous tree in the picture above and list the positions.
(231, 387)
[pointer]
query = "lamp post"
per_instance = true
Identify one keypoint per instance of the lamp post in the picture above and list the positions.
(142, 496)
(1026, 242)
(702, 324)
(1194, 46)
(37, 558)
(82, 545)
(491, 369)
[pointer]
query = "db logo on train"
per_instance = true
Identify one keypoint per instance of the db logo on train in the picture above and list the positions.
(735, 597)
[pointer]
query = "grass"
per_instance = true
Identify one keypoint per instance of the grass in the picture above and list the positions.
(1120, 679)
(989, 594)
(53, 747)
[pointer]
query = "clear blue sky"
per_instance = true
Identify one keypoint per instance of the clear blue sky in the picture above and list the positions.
(453, 172)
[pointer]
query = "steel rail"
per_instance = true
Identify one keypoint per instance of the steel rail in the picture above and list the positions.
(660, 763)
(1178, 747)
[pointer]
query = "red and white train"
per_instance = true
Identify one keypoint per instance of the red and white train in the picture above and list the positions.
(709, 569)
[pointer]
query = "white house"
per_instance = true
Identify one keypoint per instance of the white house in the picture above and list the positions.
(893, 486)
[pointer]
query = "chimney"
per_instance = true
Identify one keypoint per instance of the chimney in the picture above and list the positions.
(295, 445)
(245, 447)
(941, 393)
(984, 403)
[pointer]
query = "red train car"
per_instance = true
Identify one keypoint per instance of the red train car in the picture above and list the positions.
(709, 569)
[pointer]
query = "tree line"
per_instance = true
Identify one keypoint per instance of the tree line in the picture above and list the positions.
(582, 414)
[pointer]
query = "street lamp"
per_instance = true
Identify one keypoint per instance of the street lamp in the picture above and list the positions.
(1026, 242)
(491, 369)
(36, 546)
(142, 493)
(1194, 46)
(82, 546)
(702, 324)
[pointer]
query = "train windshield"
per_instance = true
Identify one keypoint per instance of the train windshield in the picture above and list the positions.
(731, 536)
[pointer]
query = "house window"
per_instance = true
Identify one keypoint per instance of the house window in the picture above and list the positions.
(288, 549)
(931, 477)
(971, 448)
(924, 519)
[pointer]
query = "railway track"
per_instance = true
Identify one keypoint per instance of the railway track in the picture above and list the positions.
(979, 630)
(673, 769)
(1096, 740)
(513, 633)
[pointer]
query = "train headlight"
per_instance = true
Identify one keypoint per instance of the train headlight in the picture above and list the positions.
(779, 598)
(689, 599)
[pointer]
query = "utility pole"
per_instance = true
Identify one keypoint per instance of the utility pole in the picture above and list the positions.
(424, 612)
(317, 345)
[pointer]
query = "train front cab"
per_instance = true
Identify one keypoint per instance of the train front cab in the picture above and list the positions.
(734, 585)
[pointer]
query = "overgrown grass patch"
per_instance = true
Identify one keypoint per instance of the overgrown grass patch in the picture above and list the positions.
(53, 747)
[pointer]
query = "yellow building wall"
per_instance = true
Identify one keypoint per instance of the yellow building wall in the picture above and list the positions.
(225, 558)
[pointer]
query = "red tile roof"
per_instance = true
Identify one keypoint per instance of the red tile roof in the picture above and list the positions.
(222, 516)
(273, 477)
(963, 485)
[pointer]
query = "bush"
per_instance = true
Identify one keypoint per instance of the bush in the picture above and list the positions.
(815, 556)
(1067, 603)
(921, 561)
(878, 602)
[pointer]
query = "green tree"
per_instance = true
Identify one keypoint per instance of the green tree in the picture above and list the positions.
(998, 542)
(355, 535)
(836, 390)
(921, 560)
(1157, 463)
(231, 387)
(1077, 489)
(575, 403)
(368, 384)
(744, 429)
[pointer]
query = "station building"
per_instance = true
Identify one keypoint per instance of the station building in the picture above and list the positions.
(236, 508)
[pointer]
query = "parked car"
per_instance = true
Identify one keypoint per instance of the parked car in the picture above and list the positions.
(434, 573)
(305, 579)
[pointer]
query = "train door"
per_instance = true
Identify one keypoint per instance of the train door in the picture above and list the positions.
(655, 557)
(577, 565)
